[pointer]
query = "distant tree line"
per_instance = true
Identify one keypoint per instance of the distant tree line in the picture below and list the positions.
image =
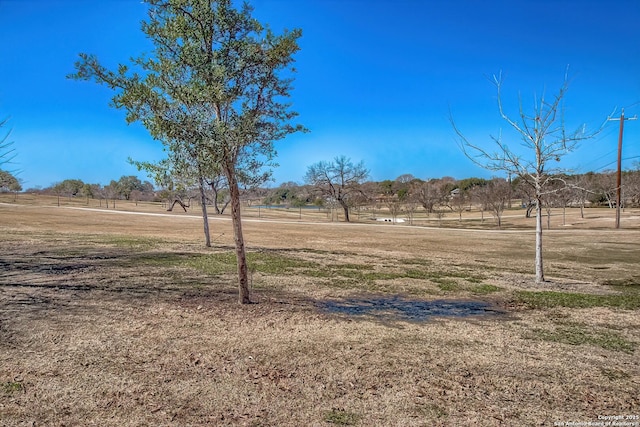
(126, 188)
(404, 195)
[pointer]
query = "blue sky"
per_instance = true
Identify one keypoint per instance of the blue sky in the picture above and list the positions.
(376, 81)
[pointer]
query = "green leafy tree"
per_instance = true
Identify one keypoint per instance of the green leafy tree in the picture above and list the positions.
(212, 87)
(128, 184)
(8, 182)
(73, 187)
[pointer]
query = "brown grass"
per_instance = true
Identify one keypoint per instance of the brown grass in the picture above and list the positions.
(111, 319)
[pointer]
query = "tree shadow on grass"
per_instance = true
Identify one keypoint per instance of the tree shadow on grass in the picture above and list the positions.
(72, 279)
(55, 280)
(396, 308)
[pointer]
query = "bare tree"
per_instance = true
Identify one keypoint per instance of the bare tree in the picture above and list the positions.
(405, 178)
(395, 205)
(459, 202)
(563, 197)
(339, 180)
(632, 186)
(111, 192)
(545, 138)
(431, 194)
(7, 153)
(580, 189)
(496, 197)
(411, 202)
(604, 189)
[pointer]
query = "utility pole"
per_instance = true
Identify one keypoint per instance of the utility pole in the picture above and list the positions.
(619, 174)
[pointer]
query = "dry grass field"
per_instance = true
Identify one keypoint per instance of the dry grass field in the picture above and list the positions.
(120, 318)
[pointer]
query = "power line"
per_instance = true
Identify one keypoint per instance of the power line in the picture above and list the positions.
(610, 163)
(632, 105)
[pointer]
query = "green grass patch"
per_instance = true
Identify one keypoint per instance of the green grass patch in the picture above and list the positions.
(282, 263)
(576, 334)
(212, 264)
(274, 262)
(11, 387)
(447, 285)
(550, 299)
(341, 417)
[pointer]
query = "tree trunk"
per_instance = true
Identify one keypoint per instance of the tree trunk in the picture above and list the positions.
(215, 198)
(345, 207)
(178, 201)
(224, 206)
(243, 270)
(205, 217)
(549, 219)
(539, 266)
(529, 205)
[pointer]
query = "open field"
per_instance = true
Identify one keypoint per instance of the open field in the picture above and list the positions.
(594, 218)
(114, 319)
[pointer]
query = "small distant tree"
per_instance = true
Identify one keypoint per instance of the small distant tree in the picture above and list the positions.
(394, 194)
(8, 182)
(339, 180)
(604, 189)
(57, 189)
(545, 139)
(580, 187)
(459, 202)
(396, 205)
(111, 191)
(496, 194)
(88, 192)
(69, 188)
(478, 198)
(432, 193)
(128, 184)
(563, 197)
